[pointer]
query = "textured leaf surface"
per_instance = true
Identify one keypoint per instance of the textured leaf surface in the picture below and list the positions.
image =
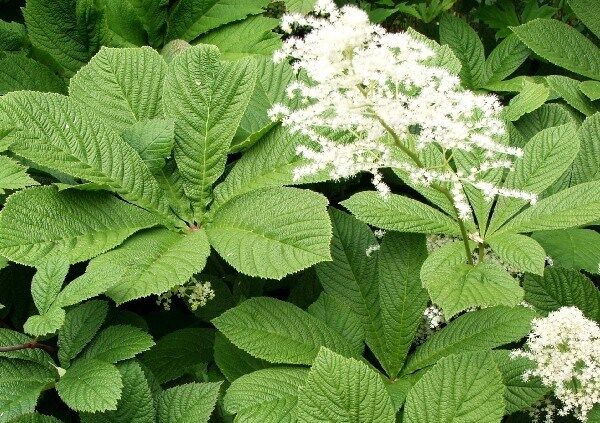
(35, 418)
(465, 388)
(399, 213)
(562, 45)
(520, 251)
(587, 164)
(13, 36)
(19, 72)
(152, 262)
(190, 403)
(478, 330)
(80, 225)
(18, 397)
(207, 98)
(588, 11)
(272, 232)
(178, 352)
(45, 323)
(191, 18)
(10, 337)
(13, 175)
(279, 332)
(467, 46)
(563, 287)
(121, 85)
(575, 206)
(81, 324)
(591, 89)
(232, 361)
(117, 343)
(569, 90)
(266, 395)
(90, 385)
(518, 394)
(55, 132)
(531, 97)
(402, 299)
(153, 140)
(66, 30)
(506, 58)
(48, 281)
(577, 249)
(343, 390)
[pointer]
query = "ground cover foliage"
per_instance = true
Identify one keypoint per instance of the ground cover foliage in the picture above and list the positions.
(275, 211)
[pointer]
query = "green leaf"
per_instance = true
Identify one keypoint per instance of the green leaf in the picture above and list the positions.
(18, 398)
(550, 114)
(253, 36)
(519, 251)
(123, 86)
(232, 361)
(19, 72)
(122, 27)
(474, 331)
(588, 11)
(178, 352)
(399, 213)
(279, 332)
(267, 395)
(518, 394)
(569, 90)
(577, 249)
(444, 56)
(190, 403)
(153, 15)
(81, 324)
(463, 286)
(191, 18)
(575, 206)
(402, 299)
(48, 281)
(153, 140)
(152, 262)
(117, 343)
(467, 46)
(17, 370)
(46, 323)
(272, 232)
(35, 418)
(207, 98)
(13, 175)
(505, 59)
(13, 36)
(343, 390)
(587, 164)
(300, 6)
(545, 158)
(66, 30)
(136, 404)
(591, 89)
(563, 287)
(561, 45)
(77, 224)
(337, 315)
(465, 388)
(50, 130)
(90, 385)
(531, 97)
(10, 337)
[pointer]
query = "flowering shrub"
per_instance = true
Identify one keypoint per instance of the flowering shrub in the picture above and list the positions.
(299, 211)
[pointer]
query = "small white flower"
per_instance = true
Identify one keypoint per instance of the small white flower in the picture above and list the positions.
(371, 249)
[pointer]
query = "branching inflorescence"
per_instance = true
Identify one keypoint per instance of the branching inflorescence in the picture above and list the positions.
(368, 99)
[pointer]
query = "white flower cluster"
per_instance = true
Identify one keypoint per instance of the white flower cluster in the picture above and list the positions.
(433, 319)
(367, 96)
(565, 346)
(196, 294)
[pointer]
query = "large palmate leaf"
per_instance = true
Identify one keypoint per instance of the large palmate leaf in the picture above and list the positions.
(80, 225)
(121, 85)
(266, 396)
(13, 175)
(343, 390)
(69, 31)
(191, 18)
(475, 331)
(19, 72)
(90, 385)
(577, 249)
(545, 158)
(575, 206)
(279, 332)
(55, 132)
(207, 98)
(562, 45)
(465, 388)
(189, 403)
(561, 287)
(399, 213)
(272, 232)
(150, 263)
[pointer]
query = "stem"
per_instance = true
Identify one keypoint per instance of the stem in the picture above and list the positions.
(27, 346)
(481, 252)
